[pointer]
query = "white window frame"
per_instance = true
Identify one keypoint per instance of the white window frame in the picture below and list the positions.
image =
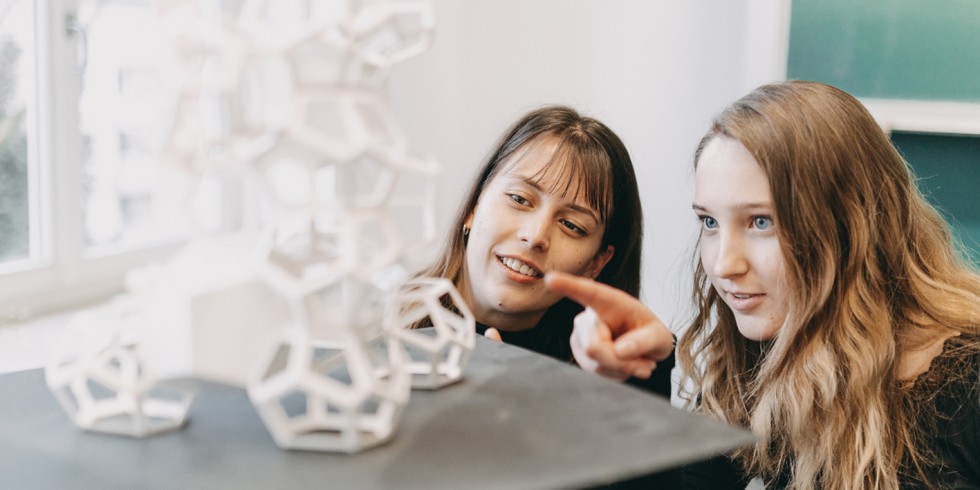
(768, 24)
(63, 272)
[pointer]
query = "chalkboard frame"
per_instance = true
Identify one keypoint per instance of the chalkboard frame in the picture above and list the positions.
(923, 116)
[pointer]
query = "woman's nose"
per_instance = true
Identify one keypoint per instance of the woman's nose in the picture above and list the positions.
(534, 230)
(730, 258)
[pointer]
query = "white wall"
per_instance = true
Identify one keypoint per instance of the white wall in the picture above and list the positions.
(654, 71)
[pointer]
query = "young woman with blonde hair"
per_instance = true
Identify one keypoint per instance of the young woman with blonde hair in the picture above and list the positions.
(835, 318)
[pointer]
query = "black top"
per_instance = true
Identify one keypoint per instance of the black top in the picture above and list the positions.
(556, 343)
(955, 435)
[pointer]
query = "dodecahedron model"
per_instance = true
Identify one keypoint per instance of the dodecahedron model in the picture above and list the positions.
(98, 377)
(437, 355)
(343, 394)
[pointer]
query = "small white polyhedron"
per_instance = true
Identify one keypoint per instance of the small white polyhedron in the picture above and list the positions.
(98, 378)
(346, 394)
(438, 355)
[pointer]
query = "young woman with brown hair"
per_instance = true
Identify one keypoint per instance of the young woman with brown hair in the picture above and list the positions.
(835, 319)
(558, 193)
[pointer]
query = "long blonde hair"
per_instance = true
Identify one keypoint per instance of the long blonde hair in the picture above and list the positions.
(870, 266)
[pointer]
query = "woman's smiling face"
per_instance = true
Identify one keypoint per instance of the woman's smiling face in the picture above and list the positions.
(524, 225)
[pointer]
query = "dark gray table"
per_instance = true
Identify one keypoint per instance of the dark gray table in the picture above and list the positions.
(517, 420)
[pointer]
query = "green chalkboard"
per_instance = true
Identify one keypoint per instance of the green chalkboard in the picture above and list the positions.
(895, 49)
(948, 171)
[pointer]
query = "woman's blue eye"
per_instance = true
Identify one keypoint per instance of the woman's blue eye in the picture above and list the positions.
(762, 222)
(709, 223)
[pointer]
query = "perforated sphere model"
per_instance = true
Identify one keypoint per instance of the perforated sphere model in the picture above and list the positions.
(345, 394)
(100, 380)
(335, 381)
(438, 354)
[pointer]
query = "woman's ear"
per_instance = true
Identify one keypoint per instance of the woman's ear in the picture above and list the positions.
(600, 260)
(467, 225)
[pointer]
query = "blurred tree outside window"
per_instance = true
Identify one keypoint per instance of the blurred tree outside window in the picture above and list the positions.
(15, 53)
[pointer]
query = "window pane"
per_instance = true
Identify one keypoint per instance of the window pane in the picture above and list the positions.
(122, 113)
(16, 96)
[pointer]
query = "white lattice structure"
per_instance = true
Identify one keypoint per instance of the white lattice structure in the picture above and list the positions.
(437, 355)
(100, 379)
(344, 394)
(283, 102)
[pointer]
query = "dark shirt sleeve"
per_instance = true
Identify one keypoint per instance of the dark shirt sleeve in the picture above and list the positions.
(539, 339)
(958, 438)
(659, 381)
(719, 473)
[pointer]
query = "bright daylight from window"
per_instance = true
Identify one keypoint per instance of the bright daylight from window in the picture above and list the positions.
(121, 108)
(87, 188)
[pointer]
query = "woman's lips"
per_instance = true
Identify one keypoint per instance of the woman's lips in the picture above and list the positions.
(519, 270)
(743, 301)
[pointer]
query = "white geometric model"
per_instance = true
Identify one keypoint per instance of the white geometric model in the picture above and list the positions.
(302, 300)
(437, 355)
(100, 380)
(342, 395)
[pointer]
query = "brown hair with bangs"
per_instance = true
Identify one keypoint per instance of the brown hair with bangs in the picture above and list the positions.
(584, 167)
(588, 158)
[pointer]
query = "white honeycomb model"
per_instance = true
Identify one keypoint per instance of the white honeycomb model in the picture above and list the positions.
(437, 355)
(101, 381)
(302, 300)
(343, 394)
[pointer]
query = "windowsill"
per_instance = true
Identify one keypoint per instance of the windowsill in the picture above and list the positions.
(29, 344)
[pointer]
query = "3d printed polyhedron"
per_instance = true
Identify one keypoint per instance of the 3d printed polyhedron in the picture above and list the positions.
(437, 355)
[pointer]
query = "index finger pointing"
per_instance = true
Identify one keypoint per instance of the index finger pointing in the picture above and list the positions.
(615, 307)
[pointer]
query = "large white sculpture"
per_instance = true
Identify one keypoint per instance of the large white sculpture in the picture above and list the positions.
(302, 300)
